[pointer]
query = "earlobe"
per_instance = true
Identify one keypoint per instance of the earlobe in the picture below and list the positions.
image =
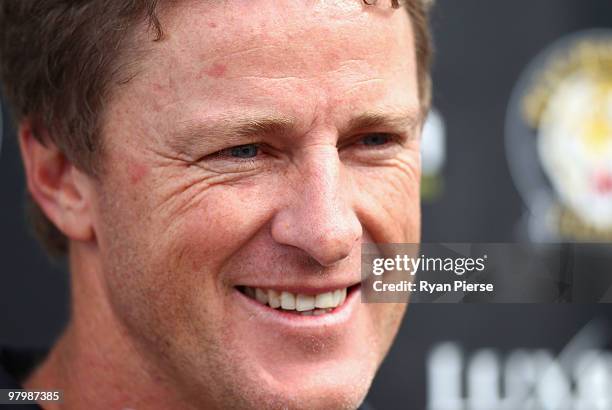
(56, 185)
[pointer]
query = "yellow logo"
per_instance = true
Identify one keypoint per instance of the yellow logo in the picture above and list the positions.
(565, 105)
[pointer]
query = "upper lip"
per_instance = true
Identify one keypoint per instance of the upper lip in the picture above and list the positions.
(304, 288)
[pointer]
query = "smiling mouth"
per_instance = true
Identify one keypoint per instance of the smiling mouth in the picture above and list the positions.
(298, 303)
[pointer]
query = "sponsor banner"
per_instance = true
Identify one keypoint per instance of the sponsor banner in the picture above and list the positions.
(577, 378)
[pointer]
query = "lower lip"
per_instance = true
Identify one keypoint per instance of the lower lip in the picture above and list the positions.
(336, 317)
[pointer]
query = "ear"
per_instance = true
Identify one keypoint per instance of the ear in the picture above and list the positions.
(58, 187)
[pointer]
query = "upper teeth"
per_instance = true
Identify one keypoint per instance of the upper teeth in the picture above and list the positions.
(299, 301)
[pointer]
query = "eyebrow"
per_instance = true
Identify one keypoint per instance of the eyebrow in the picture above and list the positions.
(246, 127)
(403, 120)
(239, 131)
(230, 130)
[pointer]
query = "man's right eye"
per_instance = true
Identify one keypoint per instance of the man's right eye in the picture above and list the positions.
(240, 158)
(244, 151)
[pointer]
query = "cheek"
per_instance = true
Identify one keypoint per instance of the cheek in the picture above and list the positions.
(203, 238)
(388, 201)
(137, 172)
(163, 266)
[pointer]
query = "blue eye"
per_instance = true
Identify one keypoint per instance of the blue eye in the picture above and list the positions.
(376, 139)
(244, 151)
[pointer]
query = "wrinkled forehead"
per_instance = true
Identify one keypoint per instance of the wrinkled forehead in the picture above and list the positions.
(294, 37)
(255, 52)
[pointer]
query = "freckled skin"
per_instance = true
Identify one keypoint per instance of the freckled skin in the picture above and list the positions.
(176, 233)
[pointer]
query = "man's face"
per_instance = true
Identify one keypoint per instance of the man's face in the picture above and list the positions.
(258, 146)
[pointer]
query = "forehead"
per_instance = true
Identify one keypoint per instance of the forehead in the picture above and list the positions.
(304, 59)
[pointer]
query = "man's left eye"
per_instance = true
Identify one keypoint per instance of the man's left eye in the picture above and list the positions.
(375, 139)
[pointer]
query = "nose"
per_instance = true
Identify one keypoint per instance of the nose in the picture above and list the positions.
(318, 216)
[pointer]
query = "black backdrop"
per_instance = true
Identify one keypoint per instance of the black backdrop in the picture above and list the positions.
(482, 48)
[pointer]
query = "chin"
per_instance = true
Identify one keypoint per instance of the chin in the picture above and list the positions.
(339, 387)
(290, 361)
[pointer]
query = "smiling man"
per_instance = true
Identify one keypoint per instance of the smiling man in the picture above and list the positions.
(211, 170)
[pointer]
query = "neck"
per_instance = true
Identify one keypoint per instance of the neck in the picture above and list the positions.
(95, 362)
